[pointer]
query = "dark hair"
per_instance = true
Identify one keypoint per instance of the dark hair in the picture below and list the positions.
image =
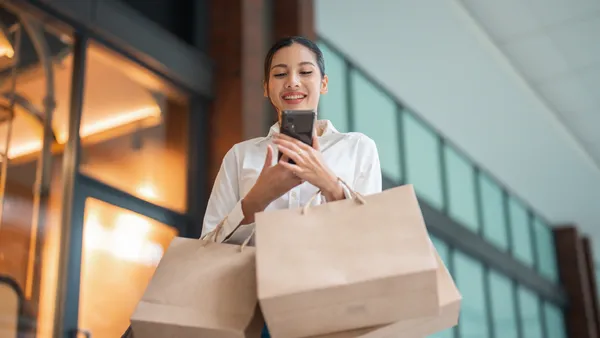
(288, 41)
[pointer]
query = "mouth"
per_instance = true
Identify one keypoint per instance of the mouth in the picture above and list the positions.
(293, 98)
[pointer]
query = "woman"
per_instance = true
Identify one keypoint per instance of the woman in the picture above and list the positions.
(251, 179)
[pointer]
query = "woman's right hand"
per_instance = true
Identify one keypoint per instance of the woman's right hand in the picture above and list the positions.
(273, 181)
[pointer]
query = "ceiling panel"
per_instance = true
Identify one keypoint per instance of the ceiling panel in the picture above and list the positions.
(557, 52)
(569, 96)
(525, 54)
(505, 19)
(556, 12)
(579, 41)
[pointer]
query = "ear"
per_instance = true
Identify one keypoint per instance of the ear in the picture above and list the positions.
(265, 90)
(324, 85)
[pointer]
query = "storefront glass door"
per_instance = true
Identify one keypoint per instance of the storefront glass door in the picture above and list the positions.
(94, 181)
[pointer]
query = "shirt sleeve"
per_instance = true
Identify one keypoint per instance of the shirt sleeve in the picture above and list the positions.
(368, 181)
(224, 203)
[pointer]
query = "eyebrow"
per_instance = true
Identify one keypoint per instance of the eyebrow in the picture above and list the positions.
(301, 64)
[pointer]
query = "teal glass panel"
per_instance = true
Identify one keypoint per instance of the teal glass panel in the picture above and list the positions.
(545, 250)
(376, 115)
(333, 105)
(520, 231)
(503, 306)
(494, 216)
(555, 321)
(444, 252)
(423, 160)
(468, 275)
(460, 176)
(529, 310)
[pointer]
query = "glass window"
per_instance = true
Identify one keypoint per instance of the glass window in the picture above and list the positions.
(422, 160)
(460, 176)
(555, 321)
(376, 115)
(443, 250)
(129, 246)
(29, 221)
(333, 106)
(503, 306)
(546, 252)
(134, 130)
(492, 208)
(468, 274)
(529, 311)
(441, 247)
(521, 234)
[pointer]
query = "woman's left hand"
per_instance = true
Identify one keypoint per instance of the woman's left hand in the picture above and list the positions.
(309, 165)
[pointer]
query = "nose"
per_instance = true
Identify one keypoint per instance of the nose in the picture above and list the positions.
(293, 81)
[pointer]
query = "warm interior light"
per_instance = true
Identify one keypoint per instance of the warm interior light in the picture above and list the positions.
(127, 239)
(6, 49)
(148, 191)
(88, 130)
(112, 122)
(24, 149)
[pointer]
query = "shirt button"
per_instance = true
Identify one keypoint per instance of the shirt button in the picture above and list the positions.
(293, 194)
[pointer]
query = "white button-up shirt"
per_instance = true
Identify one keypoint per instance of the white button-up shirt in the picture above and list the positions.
(353, 157)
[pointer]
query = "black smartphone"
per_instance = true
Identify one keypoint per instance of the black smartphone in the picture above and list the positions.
(298, 124)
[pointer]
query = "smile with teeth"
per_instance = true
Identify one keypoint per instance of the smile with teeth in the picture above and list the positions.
(294, 97)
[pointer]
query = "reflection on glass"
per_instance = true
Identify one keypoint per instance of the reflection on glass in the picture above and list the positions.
(29, 217)
(555, 321)
(520, 231)
(461, 189)
(376, 115)
(492, 208)
(468, 274)
(121, 252)
(134, 131)
(546, 253)
(529, 310)
(423, 160)
(503, 306)
(333, 106)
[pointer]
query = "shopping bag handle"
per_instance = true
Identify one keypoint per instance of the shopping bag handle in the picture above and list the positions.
(213, 235)
(355, 196)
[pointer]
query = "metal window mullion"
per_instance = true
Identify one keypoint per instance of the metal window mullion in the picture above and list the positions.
(71, 239)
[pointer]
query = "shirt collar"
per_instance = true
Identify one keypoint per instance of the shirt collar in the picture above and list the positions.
(325, 125)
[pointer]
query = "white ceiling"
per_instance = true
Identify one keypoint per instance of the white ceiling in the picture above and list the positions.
(555, 45)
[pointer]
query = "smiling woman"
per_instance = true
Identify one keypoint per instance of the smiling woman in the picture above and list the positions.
(251, 179)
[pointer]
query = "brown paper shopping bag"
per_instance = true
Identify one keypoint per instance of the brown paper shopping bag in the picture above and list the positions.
(345, 265)
(201, 289)
(449, 303)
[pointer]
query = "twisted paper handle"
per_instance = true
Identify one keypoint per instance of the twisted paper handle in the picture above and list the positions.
(213, 235)
(355, 196)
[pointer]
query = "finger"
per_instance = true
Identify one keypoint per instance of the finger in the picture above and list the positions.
(286, 138)
(294, 146)
(296, 170)
(269, 157)
(315, 143)
(294, 155)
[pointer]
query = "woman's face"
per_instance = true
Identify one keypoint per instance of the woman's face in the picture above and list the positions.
(295, 81)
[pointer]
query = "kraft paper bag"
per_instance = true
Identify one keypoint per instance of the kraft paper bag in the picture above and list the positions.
(345, 265)
(449, 303)
(201, 289)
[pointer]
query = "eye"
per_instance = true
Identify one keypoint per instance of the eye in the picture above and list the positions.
(306, 73)
(279, 75)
